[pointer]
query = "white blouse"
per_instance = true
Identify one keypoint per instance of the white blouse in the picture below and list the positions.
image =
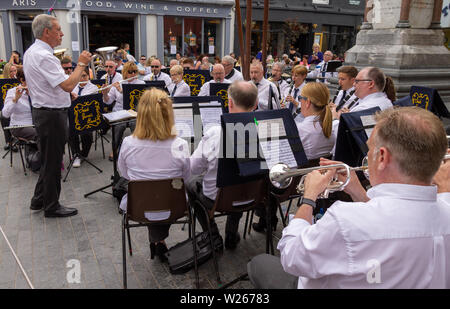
(20, 112)
(314, 143)
(182, 90)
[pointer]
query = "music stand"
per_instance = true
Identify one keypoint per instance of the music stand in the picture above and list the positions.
(5, 85)
(195, 79)
(85, 116)
(100, 74)
(220, 90)
(351, 140)
(333, 65)
(114, 119)
(429, 99)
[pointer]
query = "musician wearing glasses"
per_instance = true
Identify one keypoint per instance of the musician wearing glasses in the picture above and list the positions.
(218, 75)
(395, 235)
(111, 75)
(230, 72)
(346, 98)
(156, 73)
(263, 86)
(141, 66)
(371, 87)
(320, 72)
(115, 93)
(292, 93)
(276, 78)
(178, 87)
(84, 87)
(49, 88)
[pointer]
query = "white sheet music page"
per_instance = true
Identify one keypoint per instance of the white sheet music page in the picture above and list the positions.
(120, 115)
(368, 120)
(210, 117)
(277, 149)
(184, 122)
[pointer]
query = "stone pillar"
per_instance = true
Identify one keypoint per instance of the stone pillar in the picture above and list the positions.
(366, 25)
(437, 13)
(404, 14)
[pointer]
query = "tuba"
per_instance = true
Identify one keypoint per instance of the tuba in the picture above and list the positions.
(98, 60)
(59, 53)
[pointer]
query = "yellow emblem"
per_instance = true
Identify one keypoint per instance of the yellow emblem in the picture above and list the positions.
(223, 94)
(6, 87)
(135, 95)
(87, 115)
(195, 82)
(421, 100)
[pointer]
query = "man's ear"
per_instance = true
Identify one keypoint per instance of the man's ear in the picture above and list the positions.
(230, 103)
(384, 158)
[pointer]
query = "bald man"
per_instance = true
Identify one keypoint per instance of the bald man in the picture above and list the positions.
(218, 75)
(263, 85)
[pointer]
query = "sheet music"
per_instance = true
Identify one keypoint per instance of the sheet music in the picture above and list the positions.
(184, 122)
(212, 103)
(278, 151)
(210, 117)
(120, 115)
(368, 120)
(271, 128)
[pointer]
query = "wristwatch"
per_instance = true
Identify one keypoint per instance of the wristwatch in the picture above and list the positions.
(307, 201)
(82, 64)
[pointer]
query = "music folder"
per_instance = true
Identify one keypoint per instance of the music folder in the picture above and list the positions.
(429, 99)
(85, 114)
(220, 90)
(333, 65)
(5, 85)
(195, 79)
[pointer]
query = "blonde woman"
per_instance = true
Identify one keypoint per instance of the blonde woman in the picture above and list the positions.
(178, 87)
(153, 141)
(115, 93)
(9, 71)
(317, 55)
(316, 129)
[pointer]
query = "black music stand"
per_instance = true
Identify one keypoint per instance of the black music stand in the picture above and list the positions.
(115, 177)
(220, 90)
(85, 116)
(5, 85)
(429, 99)
(195, 79)
(131, 95)
(156, 84)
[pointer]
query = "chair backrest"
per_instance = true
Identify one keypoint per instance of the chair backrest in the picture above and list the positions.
(161, 201)
(241, 197)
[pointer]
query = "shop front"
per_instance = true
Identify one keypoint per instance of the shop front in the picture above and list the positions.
(160, 28)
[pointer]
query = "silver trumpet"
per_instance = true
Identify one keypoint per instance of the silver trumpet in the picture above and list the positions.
(281, 176)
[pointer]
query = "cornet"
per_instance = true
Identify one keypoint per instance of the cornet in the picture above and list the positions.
(281, 176)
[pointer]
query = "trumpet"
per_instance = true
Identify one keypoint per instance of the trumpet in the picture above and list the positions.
(281, 176)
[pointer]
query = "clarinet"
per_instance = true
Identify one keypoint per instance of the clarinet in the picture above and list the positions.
(335, 96)
(347, 97)
(291, 86)
(353, 103)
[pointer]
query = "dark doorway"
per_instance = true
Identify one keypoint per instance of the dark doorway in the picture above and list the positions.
(110, 31)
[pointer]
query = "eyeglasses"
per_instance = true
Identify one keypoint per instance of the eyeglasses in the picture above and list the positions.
(362, 80)
(302, 98)
(132, 72)
(67, 68)
(155, 66)
(110, 66)
(143, 59)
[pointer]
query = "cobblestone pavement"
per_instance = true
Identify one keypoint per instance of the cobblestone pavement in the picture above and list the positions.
(93, 237)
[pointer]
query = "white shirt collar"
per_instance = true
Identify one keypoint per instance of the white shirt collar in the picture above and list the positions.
(44, 45)
(372, 96)
(403, 191)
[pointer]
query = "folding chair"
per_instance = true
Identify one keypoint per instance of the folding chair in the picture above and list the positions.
(20, 143)
(233, 199)
(155, 202)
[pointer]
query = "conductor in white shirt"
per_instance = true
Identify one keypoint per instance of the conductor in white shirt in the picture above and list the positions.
(218, 75)
(178, 87)
(395, 235)
(49, 89)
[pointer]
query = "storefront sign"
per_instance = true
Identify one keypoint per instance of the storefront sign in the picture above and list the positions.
(121, 6)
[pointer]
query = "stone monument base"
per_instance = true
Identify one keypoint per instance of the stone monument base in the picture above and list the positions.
(411, 57)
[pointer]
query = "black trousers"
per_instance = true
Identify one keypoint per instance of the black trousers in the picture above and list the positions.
(7, 133)
(86, 143)
(51, 130)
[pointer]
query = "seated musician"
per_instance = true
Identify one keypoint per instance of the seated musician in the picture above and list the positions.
(156, 73)
(85, 87)
(277, 79)
(242, 97)
(18, 108)
(218, 75)
(320, 72)
(395, 235)
(111, 76)
(291, 94)
(346, 95)
(263, 86)
(9, 71)
(188, 64)
(153, 141)
(115, 93)
(178, 87)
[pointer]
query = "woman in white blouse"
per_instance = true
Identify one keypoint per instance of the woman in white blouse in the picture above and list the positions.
(178, 87)
(115, 93)
(154, 152)
(18, 108)
(316, 129)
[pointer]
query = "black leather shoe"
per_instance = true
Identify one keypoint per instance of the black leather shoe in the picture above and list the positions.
(15, 149)
(231, 241)
(260, 227)
(61, 212)
(160, 249)
(36, 206)
(6, 147)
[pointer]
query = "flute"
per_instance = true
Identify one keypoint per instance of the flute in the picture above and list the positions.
(109, 86)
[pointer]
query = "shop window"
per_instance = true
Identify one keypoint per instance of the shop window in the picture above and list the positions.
(173, 34)
(192, 43)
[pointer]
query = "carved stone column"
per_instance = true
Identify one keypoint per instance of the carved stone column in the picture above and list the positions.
(436, 21)
(366, 25)
(404, 15)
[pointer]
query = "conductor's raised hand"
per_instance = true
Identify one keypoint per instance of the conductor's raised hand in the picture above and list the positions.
(85, 57)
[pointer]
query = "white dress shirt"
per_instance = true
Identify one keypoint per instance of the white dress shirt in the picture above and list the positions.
(116, 78)
(183, 89)
(169, 159)
(314, 143)
(398, 239)
(444, 198)
(289, 91)
(282, 85)
(87, 89)
(346, 101)
(161, 76)
(320, 71)
(204, 160)
(204, 90)
(115, 95)
(373, 100)
(235, 75)
(44, 75)
(263, 94)
(19, 112)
